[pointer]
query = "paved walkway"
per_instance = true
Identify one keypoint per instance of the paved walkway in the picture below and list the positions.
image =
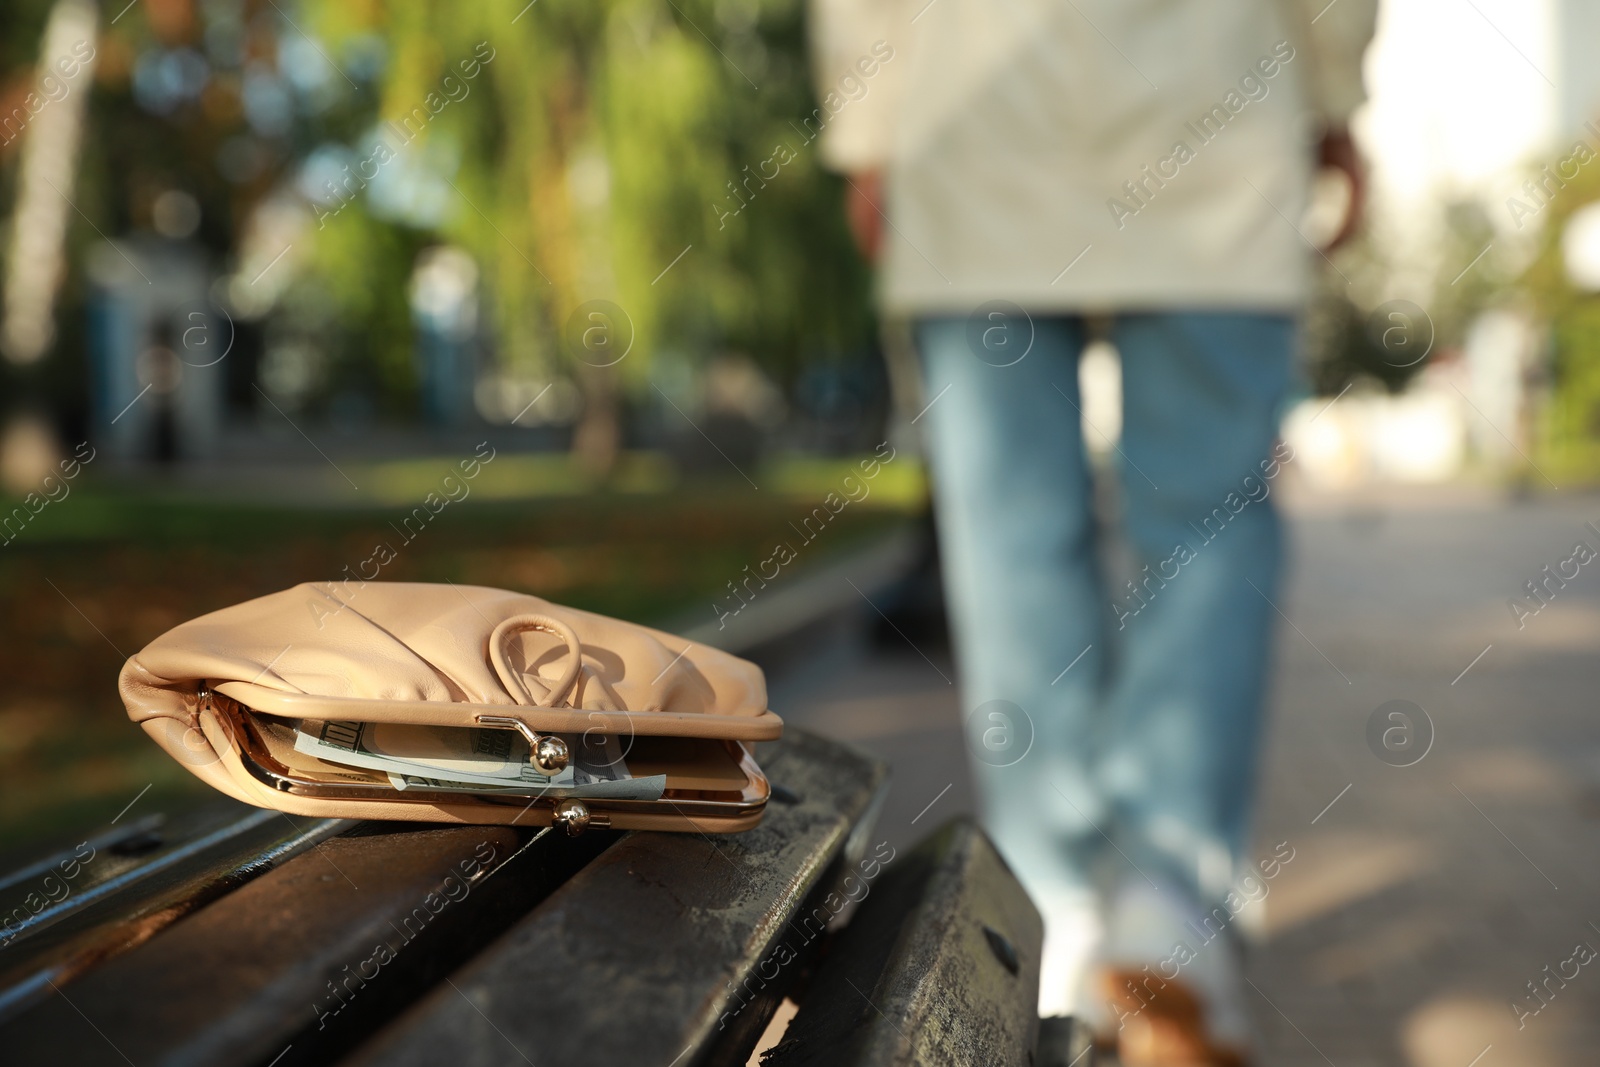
(1422, 899)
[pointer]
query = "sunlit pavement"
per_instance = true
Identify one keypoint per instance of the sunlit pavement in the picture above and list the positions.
(1422, 899)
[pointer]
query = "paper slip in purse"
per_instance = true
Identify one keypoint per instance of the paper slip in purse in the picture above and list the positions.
(462, 704)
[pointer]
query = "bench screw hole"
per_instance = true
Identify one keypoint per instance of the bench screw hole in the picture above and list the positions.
(138, 844)
(1003, 950)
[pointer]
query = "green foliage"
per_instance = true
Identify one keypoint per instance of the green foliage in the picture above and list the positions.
(595, 147)
(1347, 320)
(1572, 421)
(353, 304)
(1574, 413)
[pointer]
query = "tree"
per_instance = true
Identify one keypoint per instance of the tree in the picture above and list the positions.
(624, 151)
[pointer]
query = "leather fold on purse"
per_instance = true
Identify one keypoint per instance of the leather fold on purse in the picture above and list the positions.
(224, 693)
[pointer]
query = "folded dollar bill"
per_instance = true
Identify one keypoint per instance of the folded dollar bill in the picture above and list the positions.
(649, 788)
(473, 759)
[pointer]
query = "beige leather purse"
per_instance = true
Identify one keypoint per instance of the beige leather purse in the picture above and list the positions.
(445, 703)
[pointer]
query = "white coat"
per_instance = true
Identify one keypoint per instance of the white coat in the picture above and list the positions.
(1081, 155)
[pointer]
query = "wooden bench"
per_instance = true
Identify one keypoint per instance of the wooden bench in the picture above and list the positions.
(249, 937)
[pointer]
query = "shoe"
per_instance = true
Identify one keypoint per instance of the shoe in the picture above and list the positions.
(1163, 1023)
(1186, 967)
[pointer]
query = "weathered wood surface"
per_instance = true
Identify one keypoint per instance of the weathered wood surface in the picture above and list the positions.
(939, 966)
(292, 968)
(401, 944)
(94, 900)
(670, 949)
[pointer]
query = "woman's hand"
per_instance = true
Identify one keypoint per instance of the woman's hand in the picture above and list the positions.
(1338, 151)
(863, 208)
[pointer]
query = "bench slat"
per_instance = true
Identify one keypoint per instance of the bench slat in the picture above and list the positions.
(939, 966)
(289, 965)
(128, 885)
(654, 954)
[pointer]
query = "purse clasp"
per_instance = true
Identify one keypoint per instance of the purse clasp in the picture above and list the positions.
(548, 752)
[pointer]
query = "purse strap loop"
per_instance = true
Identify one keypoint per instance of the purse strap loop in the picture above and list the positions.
(515, 681)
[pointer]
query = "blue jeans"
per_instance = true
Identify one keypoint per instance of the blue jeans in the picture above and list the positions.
(1100, 718)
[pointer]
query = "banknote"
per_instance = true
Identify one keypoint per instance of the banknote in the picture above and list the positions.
(473, 759)
(648, 788)
(472, 755)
